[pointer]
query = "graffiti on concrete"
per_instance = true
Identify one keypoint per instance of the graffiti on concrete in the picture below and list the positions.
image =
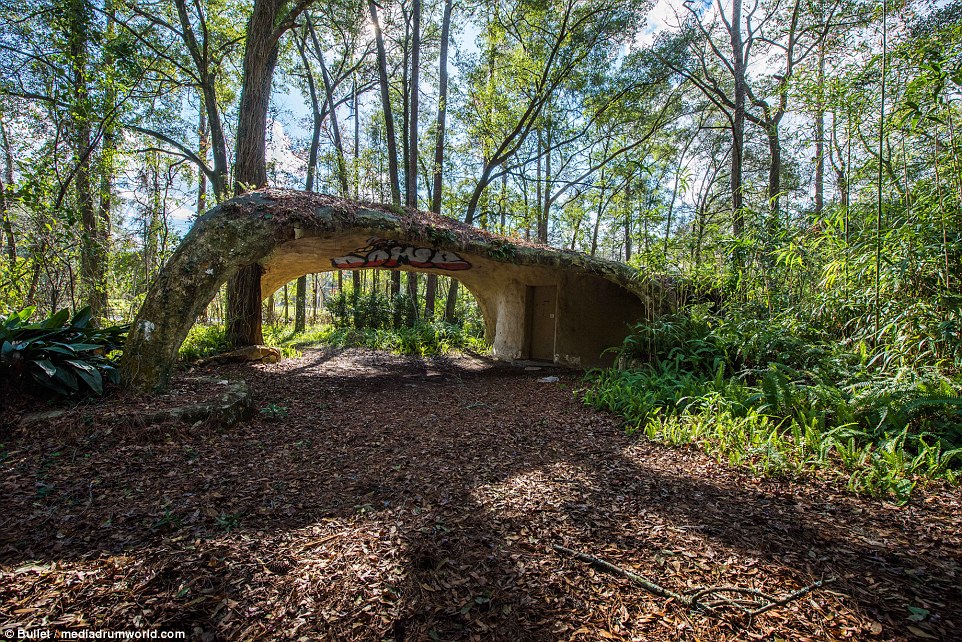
(385, 253)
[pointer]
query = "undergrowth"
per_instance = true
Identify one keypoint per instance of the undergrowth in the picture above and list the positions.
(421, 339)
(778, 398)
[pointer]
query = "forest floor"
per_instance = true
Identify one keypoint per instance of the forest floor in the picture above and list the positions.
(377, 497)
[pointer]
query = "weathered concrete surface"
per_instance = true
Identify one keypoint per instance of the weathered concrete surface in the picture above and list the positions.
(294, 233)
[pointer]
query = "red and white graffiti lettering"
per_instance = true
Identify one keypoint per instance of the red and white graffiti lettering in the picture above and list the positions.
(391, 254)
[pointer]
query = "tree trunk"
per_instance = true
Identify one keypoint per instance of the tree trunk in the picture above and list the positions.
(545, 209)
(601, 210)
(738, 130)
(108, 152)
(395, 297)
(820, 135)
(355, 295)
(203, 148)
(201, 55)
(300, 299)
(386, 107)
(332, 111)
(411, 178)
(92, 269)
(413, 291)
(5, 185)
(627, 223)
(218, 142)
(260, 59)
(300, 304)
(430, 296)
(774, 180)
(357, 142)
(244, 307)
(476, 195)
(442, 113)
(450, 305)
(250, 164)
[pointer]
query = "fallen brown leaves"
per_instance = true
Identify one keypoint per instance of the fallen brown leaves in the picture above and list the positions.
(395, 498)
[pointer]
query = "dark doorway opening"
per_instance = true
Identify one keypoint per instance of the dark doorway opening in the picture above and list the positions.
(542, 312)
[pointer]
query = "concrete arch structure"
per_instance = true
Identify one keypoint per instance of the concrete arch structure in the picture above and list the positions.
(538, 303)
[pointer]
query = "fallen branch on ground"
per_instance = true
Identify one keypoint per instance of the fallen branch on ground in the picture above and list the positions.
(752, 601)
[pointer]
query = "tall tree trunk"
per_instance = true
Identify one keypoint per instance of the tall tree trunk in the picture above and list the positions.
(92, 272)
(108, 152)
(355, 296)
(442, 109)
(260, 59)
(316, 118)
(411, 174)
(450, 304)
(203, 149)
(601, 210)
(545, 208)
(411, 178)
(357, 141)
(300, 304)
(412, 282)
(432, 280)
(628, 222)
(5, 206)
(200, 52)
(774, 180)
(331, 109)
(820, 134)
(738, 130)
(405, 100)
(386, 107)
(430, 296)
(300, 297)
(395, 297)
(217, 141)
(250, 165)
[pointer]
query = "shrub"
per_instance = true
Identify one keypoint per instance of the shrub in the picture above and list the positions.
(778, 397)
(203, 341)
(66, 355)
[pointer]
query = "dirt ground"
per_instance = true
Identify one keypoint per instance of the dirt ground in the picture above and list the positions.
(376, 497)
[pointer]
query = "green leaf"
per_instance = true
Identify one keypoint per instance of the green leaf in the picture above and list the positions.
(918, 613)
(57, 320)
(85, 347)
(89, 375)
(47, 366)
(59, 348)
(113, 375)
(67, 379)
(81, 319)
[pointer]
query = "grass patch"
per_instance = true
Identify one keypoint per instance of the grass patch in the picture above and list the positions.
(422, 339)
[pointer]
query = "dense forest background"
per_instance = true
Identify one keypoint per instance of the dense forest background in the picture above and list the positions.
(782, 153)
(790, 157)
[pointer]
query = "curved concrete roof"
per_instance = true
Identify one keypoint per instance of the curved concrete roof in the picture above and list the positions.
(292, 233)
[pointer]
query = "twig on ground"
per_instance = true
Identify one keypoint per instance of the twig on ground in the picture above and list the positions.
(761, 603)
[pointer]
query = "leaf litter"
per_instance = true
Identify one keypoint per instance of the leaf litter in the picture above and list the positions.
(398, 498)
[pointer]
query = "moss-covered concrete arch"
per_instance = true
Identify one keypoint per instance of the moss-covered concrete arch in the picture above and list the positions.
(294, 233)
